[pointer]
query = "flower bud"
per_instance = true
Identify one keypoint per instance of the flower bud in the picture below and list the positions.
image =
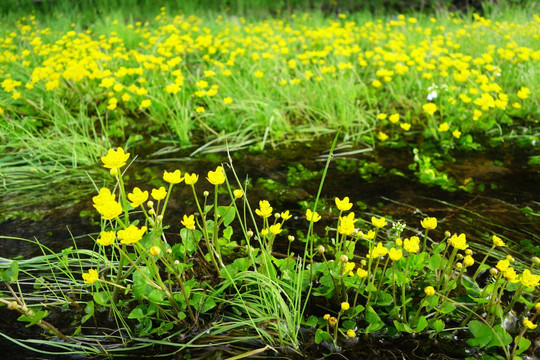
(13, 305)
(176, 263)
(537, 307)
(536, 260)
(150, 204)
(206, 193)
(493, 271)
(447, 234)
(429, 290)
(291, 238)
(155, 250)
(345, 306)
(468, 252)
(321, 249)
(332, 321)
(151, 212)
(159, 218)
(250, 233)
(344, 258)
(114, 171)
(351, 334)
(238, 193)
(168, 251)
(326, 317)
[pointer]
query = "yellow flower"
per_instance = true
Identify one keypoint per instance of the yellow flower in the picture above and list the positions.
(510, 274)
(443, 127)
(523, 93)
(346, 224)
(347, 269)
(369, 236)
(106, 238)
(381, 116)
(189, 222)
(332, 321)
(376, 83)
(351, 333)
(238, 193)
(264, 232)
(429, 290)
(159, 194)
(137, 197)
(265, 210)
(405, 126)
(258, 74)
(429, 223)
(362, 273)
(378, 251)
(199, 109)
(227, 100)
(529, 324)
(430, 108)
(459, 242)
(381, 222)
(285, 215)
(456, 133)
(172, 178)
(394, 118)
(131, 235)
(497, 241)
(90, 277)
(276, 228)
(155, 251)
(191, 179)
(345, 306)
(216, 177)
(343, 205)
(115, 158)
(412, 245)
(468, 260)
(503, 265)
(312, 216)
(382, 136)
(395, 254)
(530, 280)
(106, 205)
(145, 103)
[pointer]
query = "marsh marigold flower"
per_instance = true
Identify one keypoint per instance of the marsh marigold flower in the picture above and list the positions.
(159, 194)
(285, 215)
(380, 222)
(106, 238)
(191, 179)
(312, 216)
(429, 290)
(394, 118)
(276, 229)
(173, 177)
(412, 245)
(90, 277)
(137, 197)
(529, 324)
(468, 260)
(131, 235)
(530, 280)
(346, 224)
(459, 241)
(395, 254)
(264, 210)
(216, 177)
(430, 108)
(497, 241)
(238, 193)
(510, 275)
(188, 222)
(115, 158)
(345, 306)
(503, 265)
(429, 223)
(155, 251)
(351, 334)
(106, 204)
(378, 251)
(343, 205)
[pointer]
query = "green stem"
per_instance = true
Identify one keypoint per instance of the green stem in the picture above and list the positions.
(482, 263)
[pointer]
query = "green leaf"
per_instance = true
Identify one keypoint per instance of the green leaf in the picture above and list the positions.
(435, 262)
(422, 324)
(311, 321)
(137, 313)
(374, 320)
(89, 310)
(523, 345)
(226, 213)
(482, 334)
(33, 318)
(140, 284)
(102, 298)
(437, 325)
(447, 308)
(384, 298)
(156, 296)
(321, 335)
(348, 324)
(227, 233)
(11, 274)
(402, 327)
(503, 336)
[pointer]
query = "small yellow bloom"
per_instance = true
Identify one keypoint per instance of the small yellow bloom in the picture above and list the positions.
(503, 265)
(106, 238)
(285, 215)
(362, 273)
(456, 133)
(188, 222)
(173, 178)
(468, 260)
(131, 235)
(137, 197)
(497, 241)
(382, 116)
(326, 317)
(412, 245)
(405, 126)
(429, 223)
(238, 193)
(199, 110)
(459, 241)
(530, 280)
(510, 275)
(276, 228)
(394, 118)
(346, 224)
(159, 194)
(523, 93)
(443, 127)
(430, 108)
(351, 334)
(108, 209)
(258, 74)
(115, 158)
(343, 205)
(332, 321)
(529, 324)
(382, 136)
(395, 254)
(216, 177)
(345, 306)
(264, 210)
(378, 251)
(380, 222)
(90, 277)
(227, 100)
(145, 104)
(264, 232)
(312, 216)
(191, 179)
(429, 290)
(155, 251)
